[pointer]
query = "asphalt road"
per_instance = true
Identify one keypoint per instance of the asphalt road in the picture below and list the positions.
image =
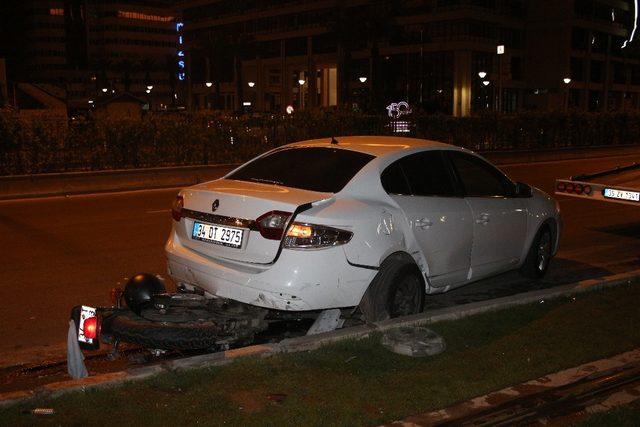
(62, 251)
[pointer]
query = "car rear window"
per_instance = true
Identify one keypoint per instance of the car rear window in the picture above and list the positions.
(311, 168)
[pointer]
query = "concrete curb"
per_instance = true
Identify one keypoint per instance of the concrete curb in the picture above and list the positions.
(60, 184)
(559, 154)
(313, 342)
(70, 183)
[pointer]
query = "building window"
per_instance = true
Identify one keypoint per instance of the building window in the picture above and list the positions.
(274, 77)
(599, 42)
(577, 69)
(516, 68)
(579, 39)
(619, 73)
(595, 99)
(597, 71)
(635, 74)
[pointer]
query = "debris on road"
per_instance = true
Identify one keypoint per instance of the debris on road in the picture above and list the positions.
(413, 341)
(327, 321)
(75, 358)
(276, 397)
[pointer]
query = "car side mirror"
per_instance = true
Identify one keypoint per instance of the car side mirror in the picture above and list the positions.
(523, 190)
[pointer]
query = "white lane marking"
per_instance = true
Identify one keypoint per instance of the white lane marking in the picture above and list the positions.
(158, 211)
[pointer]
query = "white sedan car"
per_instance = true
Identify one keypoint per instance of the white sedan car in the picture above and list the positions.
(370, 222)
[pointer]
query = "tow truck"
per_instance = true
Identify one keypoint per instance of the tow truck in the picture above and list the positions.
(616, 185)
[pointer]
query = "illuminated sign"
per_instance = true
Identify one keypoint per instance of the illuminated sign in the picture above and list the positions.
(635, 25)
(397, 109)
(182, 75)
(143, 16)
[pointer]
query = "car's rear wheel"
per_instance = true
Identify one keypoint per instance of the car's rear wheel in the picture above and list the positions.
(397, 290)
(537, 262)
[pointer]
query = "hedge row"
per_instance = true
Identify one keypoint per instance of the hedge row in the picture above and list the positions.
(40, 146)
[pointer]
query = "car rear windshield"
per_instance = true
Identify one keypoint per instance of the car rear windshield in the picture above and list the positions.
(313, 168)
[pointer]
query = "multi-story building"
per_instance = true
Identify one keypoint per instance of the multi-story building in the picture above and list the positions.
(79, 50)
(453, 56)
(587, 41)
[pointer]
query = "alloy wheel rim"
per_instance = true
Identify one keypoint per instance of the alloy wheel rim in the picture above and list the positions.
(405, 298)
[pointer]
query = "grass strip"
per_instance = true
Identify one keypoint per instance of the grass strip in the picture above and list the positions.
(623, 416)
(360, 382)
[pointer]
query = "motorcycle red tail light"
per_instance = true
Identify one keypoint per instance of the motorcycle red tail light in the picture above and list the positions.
(91, 327)
(272, 224)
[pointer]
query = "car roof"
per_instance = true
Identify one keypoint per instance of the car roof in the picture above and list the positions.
(378, 146)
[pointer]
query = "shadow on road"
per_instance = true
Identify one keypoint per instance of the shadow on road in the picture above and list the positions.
(561, 271)
(631, 229)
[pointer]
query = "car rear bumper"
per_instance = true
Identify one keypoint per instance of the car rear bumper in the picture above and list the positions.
(298, 281)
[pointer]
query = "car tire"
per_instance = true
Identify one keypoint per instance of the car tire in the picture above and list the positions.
(131, 328)
(397, 290)
(537, 261)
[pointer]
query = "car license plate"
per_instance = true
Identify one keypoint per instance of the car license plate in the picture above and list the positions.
(612, 193)
(218, 234)
(85, 313)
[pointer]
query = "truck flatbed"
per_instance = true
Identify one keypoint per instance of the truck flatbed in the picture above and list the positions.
(617, 185)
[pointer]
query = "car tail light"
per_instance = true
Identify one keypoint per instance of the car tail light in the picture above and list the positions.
(561, 186)
(310, 236)
(586, 189)
(176, 209)
(272, 224)
(569, 187)
(91, 327)
(577, 188)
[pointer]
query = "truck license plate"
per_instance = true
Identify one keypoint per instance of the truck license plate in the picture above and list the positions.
(612, 193)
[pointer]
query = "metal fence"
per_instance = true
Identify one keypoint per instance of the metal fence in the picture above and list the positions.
(41, 146)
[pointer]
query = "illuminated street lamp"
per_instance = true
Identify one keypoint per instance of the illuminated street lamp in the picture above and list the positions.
(482, 74)
(301, 82)
(208, 84)
(486, 82)
(149, 87)
(566, 80)
(362, 79)
(251, 84)
(148, 90)
(104, 90)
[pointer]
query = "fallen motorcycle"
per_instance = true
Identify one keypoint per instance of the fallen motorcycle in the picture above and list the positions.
(146, 315)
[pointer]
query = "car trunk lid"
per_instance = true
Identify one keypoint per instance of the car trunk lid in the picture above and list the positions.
(238, 204)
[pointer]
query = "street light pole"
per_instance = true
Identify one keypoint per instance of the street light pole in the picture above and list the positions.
(566, 81)
(500, 52)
